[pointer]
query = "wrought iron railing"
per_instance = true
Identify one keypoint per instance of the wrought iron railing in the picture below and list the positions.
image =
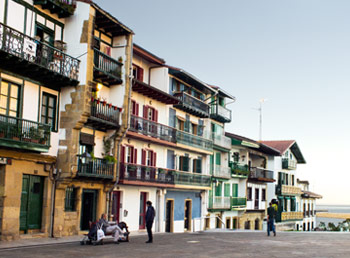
(289, 164)
(95, 167)
(260, 173)
(135, 172)
(219, 202)
(153, 129)
(218, 110)
(222, 171)
(192, 102)
(193, 140)
(221, 140)
(238, 201)
(22, 46)
(21, 130)
(104, 111)
(185, 178)
(107, 64)
(239, 169)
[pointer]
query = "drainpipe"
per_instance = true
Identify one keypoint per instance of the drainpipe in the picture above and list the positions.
(53, 196)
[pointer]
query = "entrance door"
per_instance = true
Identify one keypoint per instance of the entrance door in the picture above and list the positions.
(31, 202)
(256, 205)
(116, 206)
(188, 214)
(169, 216)
(88, 208)
(142, 219)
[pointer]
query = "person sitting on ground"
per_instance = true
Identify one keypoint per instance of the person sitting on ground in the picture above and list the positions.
(110, 229)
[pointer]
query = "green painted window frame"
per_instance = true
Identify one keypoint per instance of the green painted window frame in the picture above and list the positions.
(71, 199)
(218, 189)
(234, 190)
(45, 106)
(9, 97)
(227, 189)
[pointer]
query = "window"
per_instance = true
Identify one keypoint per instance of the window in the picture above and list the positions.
(218, 189)
(263, 195)
(235, 190)
(134, 108)
(48, 110)
(70, 200)
(249, 193)
(184, 163)
(197, 165)
(227, 187)
(9, 99)
(137, 72)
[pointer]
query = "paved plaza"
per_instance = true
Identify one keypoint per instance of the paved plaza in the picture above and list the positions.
(205, 244)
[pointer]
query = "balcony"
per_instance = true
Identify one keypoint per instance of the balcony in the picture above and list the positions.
(289, 164)
(239, 169)
(193, 140)
(103, 116)
(145, 175)
(220, 113)
(222, 141)
(261, 174)
(222, 172)
(192, 105)
(63, 8)
(287, 190)
(107, 70)
(30, 58)
(95, 168)
(291, 215)
(24, 134)
(220, 203)
(191, 179)
(238, 202)
(152, 129)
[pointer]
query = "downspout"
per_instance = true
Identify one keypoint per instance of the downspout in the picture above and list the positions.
(127, 110)
(53, 197)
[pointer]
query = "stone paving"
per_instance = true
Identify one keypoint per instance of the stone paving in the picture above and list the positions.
(204, 244)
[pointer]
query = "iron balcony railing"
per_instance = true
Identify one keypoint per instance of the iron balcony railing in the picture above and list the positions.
(153, 129)
(238, 201)
(196, 179)
(222, 141)
(222, 171)
(107, 65)
(95, 167)
(32, 135)
(289, 164)
(104, 111)
(142, 173)
(193, 103)
(261, 173)
(193, 140)
(239, 169)
(22, 46)
(219, 202)
(220, 112)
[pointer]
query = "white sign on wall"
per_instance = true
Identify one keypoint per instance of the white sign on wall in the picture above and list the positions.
(29, 47)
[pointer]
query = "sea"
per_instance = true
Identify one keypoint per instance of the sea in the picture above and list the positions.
(331, 209)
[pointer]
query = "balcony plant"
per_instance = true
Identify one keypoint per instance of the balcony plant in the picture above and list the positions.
(34, 134)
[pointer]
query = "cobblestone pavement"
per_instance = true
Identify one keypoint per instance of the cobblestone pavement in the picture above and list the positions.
(206, 244)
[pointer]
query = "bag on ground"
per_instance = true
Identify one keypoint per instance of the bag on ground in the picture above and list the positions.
(100, 234)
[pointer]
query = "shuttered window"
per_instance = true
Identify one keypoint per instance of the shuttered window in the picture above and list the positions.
(227, 190)
(70, 200)
(235, 190)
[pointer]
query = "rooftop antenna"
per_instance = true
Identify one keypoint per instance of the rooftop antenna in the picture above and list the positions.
(261, 102)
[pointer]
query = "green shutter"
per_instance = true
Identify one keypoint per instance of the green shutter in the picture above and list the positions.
(211, 164)
(234, 190)
(218, 158)
(227, 190)
(218, 189)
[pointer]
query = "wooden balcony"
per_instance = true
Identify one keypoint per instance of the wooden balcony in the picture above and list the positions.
(107, 70)
(194, 140)
(220, 113)
(239, 169)
(219, 203)
(24, 134)
(222, 172)
(192, 105)
(135, 174)
(287, 190)
(238, 202)
(222, 141)
(36, 60)
(261, 174)
(289, 164)
(63, 8)
(103, 116)
(95, 168)
(152, 129)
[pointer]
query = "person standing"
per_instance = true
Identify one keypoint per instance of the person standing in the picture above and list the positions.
(271, 214)
(150, 214)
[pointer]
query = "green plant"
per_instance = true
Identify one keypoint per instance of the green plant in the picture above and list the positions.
(110, 159)
(34, 133)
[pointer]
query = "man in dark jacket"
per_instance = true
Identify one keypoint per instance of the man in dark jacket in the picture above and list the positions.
(271, 214)
(150, 214)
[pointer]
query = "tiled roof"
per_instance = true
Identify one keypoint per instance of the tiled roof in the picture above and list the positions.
(308, 194)
(282, 146)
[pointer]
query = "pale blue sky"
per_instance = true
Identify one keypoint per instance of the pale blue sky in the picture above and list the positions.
(294, 53)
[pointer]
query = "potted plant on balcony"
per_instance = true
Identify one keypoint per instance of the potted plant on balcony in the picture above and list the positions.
(34, 134)
(3, 128)
(110, 159)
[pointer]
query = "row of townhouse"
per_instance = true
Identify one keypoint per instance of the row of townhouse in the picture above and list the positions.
(92, 123)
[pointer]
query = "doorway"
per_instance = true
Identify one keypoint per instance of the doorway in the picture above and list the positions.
(188, 214)
(88, 208)
(142, 216)
(228, 223)
(257, 224)
(116, 205)
(169, 219)
(31, 202)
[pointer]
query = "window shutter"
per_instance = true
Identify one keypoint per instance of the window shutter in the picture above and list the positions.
(227, 190)
(155, 114)
(140, 74)
(143, 161)
(122, 155)
(145, 111)
(218, 158)
(172, 117)
(199, 166)
(154, 164)
(235, 190)
(135, 156)
(137, 109)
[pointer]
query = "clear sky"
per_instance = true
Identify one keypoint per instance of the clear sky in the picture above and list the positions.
(294, 53)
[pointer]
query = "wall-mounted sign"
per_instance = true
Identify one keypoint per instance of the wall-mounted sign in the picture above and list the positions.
(5, 161)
